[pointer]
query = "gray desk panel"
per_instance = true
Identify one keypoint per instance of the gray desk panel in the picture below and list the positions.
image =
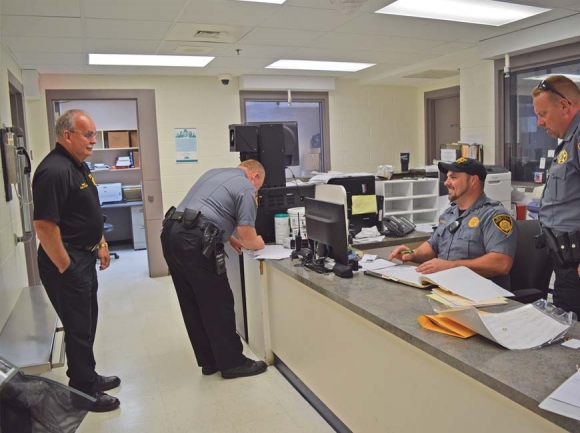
(527, 377)
(28, 335)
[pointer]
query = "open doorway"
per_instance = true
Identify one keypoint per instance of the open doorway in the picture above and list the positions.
(442, 121)
(127, 130)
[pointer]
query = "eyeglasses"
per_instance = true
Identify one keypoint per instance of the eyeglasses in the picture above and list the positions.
(88, 135)
(544, 85)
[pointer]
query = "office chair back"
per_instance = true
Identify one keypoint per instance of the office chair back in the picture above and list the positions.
(532, 269)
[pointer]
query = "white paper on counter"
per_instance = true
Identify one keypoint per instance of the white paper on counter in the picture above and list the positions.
(522, 328)
(377, 264)
(565, 400)
(270, 252)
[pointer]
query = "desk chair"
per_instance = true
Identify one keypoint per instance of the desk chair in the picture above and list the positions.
(108, 227)
(530, 275)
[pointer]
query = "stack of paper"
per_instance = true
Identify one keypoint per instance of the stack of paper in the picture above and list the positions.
(522, 328)
(270, 252)
(566, 399)
(451, 300)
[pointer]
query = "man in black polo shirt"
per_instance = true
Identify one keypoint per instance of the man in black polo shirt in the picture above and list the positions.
(69, 225)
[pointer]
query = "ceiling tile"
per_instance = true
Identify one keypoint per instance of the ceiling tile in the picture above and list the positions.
(318, 4)
(306, 19)
(538, 19)
(283, 37)
(42, 26)
(449, 47)
(551, 4)
(49, 8)
(119, 46)
(188, 32)
(459, 32)
(384, 25)
(239, 62)
(138, 10)
(205, 49)
(348, 41)
(51, 58)
(125, 29)
(237, 13)
(24, 44)
(263, 51)
(56, 69)
(375, 70)
(337, 55)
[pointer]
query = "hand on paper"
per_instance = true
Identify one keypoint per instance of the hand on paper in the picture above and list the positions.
(435, 265)
(236, 245)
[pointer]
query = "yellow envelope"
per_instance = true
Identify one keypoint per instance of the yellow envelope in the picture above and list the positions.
(444, 325)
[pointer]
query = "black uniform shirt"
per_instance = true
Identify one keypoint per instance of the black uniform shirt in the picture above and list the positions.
(64, 191)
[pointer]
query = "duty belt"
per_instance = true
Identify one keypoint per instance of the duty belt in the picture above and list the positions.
(80, 247)
(201, 222)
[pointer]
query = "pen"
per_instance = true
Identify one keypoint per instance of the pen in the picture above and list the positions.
(406, 252)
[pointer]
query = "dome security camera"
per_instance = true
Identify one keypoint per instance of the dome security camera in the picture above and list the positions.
(225, 79)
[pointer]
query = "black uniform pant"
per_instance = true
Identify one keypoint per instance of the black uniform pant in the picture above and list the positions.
(567, 287)
(205, 298)
(73, 295)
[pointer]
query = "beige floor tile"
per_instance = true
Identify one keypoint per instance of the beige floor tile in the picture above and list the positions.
(281, 423)
(249, 409)
(205, 419)
(310, 421)
(141, 338)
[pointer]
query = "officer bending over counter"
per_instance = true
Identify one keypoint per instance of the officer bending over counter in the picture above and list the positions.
(192, 239)
(475, 231)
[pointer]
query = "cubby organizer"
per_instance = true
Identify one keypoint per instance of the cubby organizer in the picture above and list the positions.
(415, 199)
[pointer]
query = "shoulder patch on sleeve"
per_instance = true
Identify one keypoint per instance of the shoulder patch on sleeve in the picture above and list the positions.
(503, 222)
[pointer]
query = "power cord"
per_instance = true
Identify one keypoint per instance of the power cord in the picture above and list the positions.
(296, 182)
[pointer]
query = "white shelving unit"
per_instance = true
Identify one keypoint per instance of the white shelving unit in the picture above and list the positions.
(415, 199)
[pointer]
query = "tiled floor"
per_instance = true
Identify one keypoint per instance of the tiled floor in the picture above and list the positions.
(142, 339)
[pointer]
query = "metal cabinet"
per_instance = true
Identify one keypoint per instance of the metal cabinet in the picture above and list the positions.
(138, 222)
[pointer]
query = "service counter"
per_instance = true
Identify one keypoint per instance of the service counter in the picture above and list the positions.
(356, 344)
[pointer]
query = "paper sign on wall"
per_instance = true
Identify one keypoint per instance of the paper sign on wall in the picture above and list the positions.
(185, 145)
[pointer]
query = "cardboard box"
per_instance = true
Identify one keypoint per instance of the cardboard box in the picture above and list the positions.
(118, 139)
(136, 162)
(134, 138)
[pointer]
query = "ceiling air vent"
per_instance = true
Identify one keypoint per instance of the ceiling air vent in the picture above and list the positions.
(206, 34)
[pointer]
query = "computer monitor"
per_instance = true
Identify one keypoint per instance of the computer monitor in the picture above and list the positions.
(326, 225)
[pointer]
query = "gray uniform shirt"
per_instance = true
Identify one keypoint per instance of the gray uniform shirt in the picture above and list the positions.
(560, 203)
(225, 196)
(486, 227)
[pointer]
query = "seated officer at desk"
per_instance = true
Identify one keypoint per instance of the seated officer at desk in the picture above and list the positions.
(475, 231)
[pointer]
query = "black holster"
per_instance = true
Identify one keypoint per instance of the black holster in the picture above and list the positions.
(190, 217)
(168, 215)
(563, 248)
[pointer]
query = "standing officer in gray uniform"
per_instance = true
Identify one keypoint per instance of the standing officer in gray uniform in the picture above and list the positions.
(193, 238)
(475, 231)
(557, 103)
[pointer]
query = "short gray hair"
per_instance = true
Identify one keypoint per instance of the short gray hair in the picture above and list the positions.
(66, 122)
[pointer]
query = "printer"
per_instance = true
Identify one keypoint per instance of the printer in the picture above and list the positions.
(498, 185)
(110, 193)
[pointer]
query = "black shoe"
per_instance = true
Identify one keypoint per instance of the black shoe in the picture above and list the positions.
(104, 403)
(248, 368)
(106, 383)
(209, 370)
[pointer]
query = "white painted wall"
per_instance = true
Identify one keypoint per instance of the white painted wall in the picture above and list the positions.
(371, 125)
(13, 276)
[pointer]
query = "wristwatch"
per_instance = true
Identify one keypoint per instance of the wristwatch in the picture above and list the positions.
(103, 245)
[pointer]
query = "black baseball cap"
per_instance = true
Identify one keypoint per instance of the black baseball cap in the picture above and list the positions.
(465, 165)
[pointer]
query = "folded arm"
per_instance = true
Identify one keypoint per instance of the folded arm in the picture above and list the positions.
(489, 265)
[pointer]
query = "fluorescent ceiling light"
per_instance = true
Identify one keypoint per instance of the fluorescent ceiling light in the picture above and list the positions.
(573, 77)
(486, 12)
(148, 60)
(278, 2)
(316, 65)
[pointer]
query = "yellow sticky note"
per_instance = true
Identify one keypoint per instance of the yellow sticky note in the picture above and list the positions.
(364, 204)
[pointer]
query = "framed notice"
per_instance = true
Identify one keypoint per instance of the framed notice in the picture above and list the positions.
(185, 145)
